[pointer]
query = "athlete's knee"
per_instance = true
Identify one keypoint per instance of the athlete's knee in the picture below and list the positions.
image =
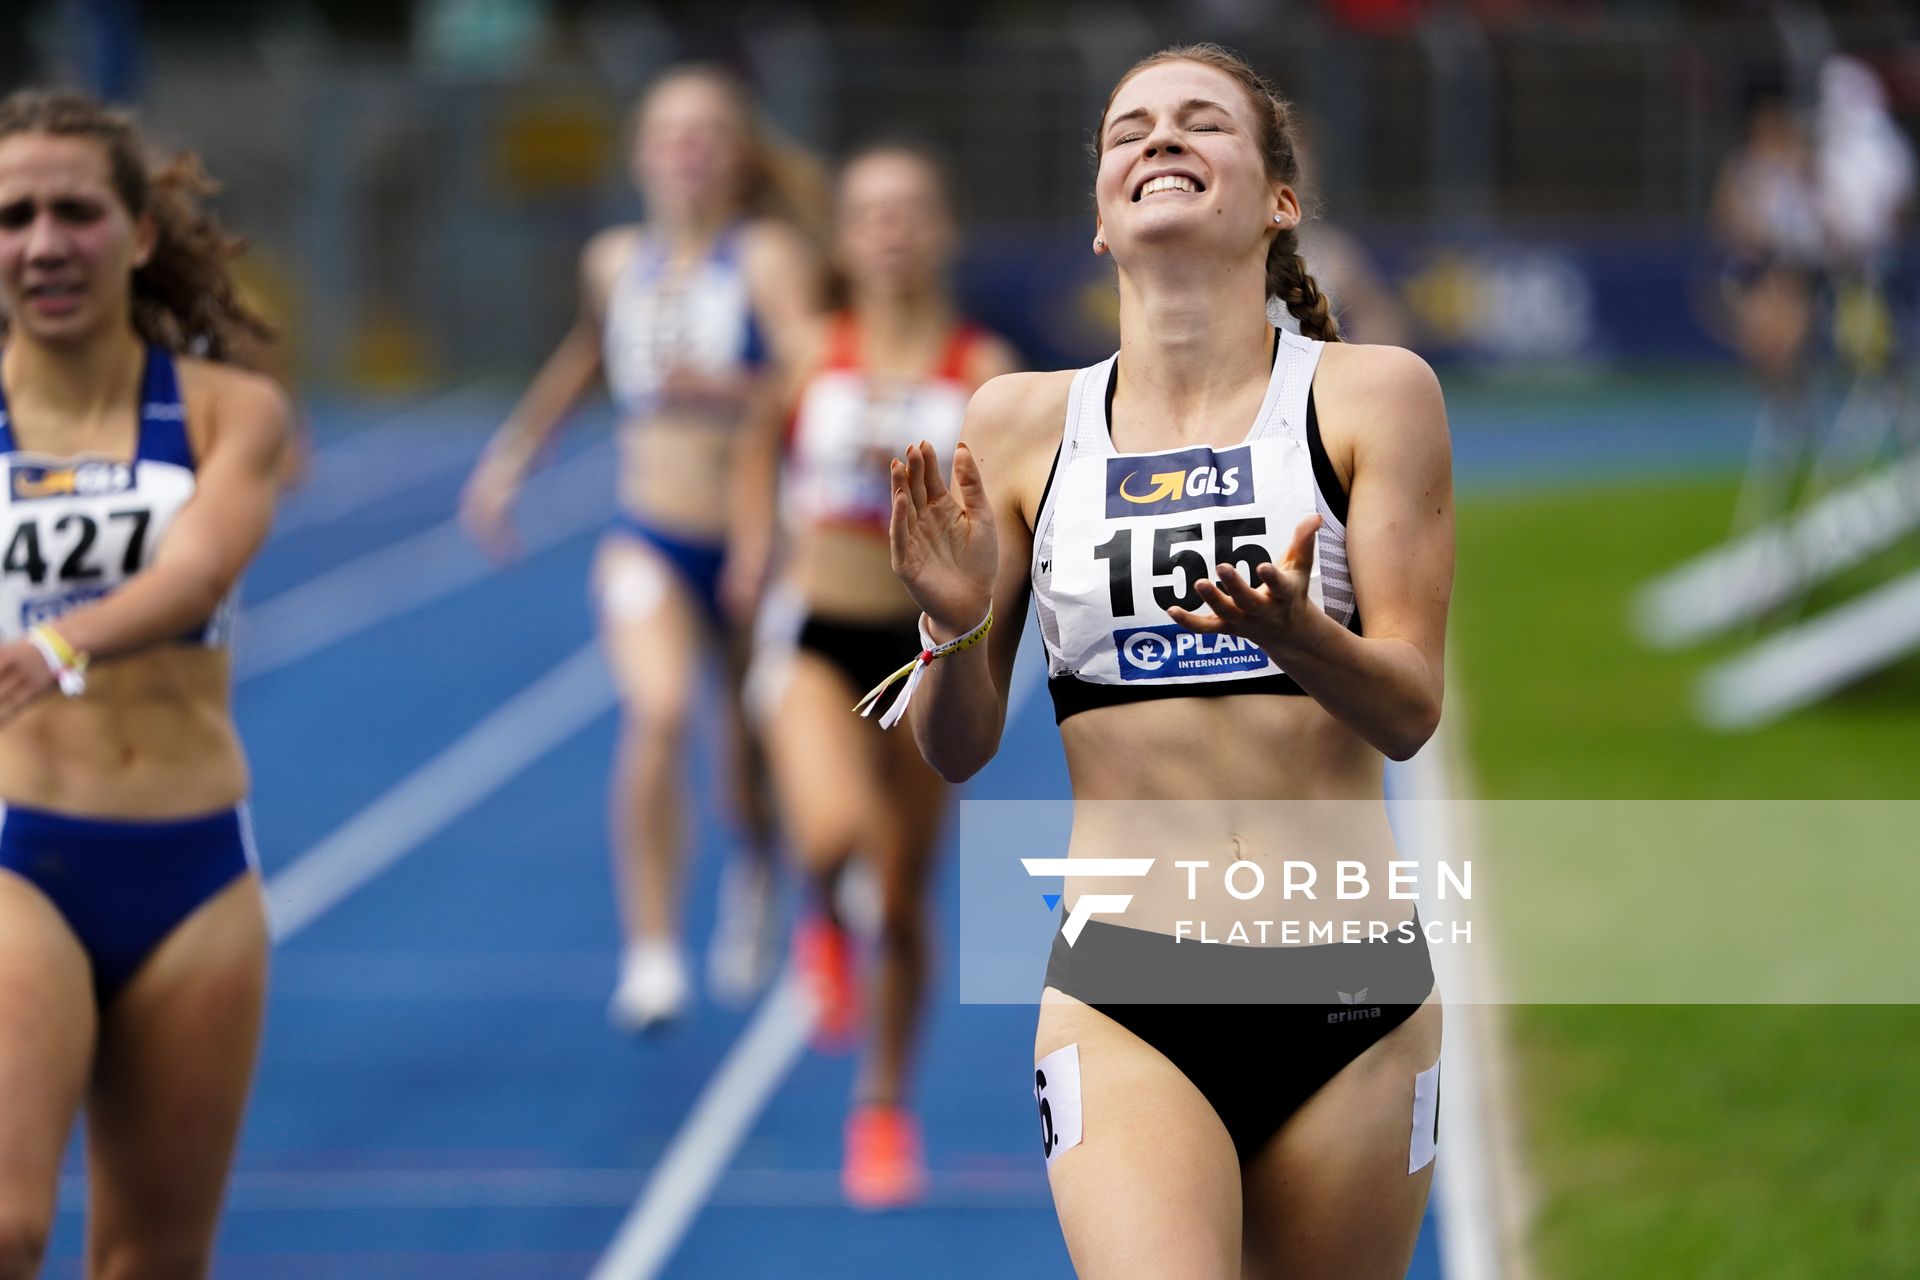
(903, 922)
(823, 845)
(23, 1243)
(658, 727)
(751, 798)
(903, 895)
(174, 1256)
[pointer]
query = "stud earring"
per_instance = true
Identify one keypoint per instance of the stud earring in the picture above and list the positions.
(1098, 244)
(1278, 218)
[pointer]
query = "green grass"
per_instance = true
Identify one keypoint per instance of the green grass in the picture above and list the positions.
(1562, 703)
(1683, 1141)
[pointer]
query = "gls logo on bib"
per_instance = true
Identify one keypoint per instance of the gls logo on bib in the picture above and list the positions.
(71, 479)
(1189, 480)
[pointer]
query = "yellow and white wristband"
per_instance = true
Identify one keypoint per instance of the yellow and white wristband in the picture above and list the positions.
(913, 671)
(68, 664)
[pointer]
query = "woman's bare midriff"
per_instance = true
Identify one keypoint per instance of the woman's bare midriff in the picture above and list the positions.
(675, 469)
(846, 574)
(1267, 780)
(152, 739)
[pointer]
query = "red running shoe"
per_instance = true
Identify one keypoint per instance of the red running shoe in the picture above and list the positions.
(824, 953)
(885, 1167)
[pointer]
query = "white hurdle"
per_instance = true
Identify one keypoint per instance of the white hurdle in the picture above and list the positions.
(1803, 664)
(1744, 579)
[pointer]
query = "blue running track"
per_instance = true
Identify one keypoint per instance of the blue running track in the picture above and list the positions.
(439, 1093)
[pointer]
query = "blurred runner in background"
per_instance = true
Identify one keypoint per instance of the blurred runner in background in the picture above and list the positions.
(689, 314)
(1766, 218)
(895, 366)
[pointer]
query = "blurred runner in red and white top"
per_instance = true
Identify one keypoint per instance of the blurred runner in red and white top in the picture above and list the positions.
(894, 367)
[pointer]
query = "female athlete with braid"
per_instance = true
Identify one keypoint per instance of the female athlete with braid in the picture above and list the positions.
(1203, 521)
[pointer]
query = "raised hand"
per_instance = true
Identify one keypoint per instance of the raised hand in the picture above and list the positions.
(945, 547)
(486, 506)
(24, 678)
(1264, 609)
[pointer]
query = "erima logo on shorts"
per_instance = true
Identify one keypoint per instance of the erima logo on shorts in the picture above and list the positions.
(83, 479)
(1162, 653)
(1354, 1012)
(1185, 481)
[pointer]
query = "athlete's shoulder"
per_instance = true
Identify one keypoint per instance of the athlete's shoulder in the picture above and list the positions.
(777, 232)
(1014, 406)
(605, 254)
(1376, 377)
(988, 356)
(814, 341)
(611, 245)
(1012, 428)
(1381, 406)
(770, 244)
(225, 403)
(1377, 371)
(230, 388)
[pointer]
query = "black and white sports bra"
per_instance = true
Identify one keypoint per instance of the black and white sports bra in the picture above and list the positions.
(1121, 538)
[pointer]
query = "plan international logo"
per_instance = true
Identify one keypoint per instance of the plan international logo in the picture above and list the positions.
(1166, 652)
(1189, 480)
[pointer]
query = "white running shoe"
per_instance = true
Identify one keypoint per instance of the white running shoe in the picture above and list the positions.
(653, 987)
(857, 898)
(745, 949)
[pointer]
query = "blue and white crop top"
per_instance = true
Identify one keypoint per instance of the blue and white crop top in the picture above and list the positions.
(1121, 538)
(698, 316)
(73, 529)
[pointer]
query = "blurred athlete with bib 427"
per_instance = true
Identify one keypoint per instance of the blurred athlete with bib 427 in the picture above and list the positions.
(138, 483)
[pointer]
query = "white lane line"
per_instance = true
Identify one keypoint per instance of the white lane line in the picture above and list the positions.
(370, 465)
(1466, 1179)
(484, 759)
(746, 1081)
(403, 576)
(455, 1190)
(719, 1122)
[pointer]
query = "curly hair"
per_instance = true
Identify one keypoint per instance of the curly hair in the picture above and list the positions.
(184, 296)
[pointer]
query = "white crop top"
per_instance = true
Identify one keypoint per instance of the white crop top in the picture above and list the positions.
(1123, 537)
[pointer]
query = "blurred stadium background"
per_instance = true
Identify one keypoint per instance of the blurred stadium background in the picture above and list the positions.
(1534, 184)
